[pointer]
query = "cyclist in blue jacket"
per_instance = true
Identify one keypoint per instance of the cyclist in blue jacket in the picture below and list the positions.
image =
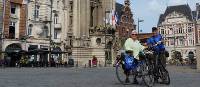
(157, 43)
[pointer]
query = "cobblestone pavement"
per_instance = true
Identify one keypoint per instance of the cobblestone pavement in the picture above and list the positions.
(86, 77)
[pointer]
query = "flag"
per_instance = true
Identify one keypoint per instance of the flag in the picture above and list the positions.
(113, 18)
(116, 18)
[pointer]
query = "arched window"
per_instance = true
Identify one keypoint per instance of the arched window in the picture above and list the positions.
(55, 18)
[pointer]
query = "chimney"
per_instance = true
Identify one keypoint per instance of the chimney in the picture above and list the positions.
(197, 7)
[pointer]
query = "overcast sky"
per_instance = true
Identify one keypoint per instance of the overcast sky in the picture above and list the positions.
(149, 10)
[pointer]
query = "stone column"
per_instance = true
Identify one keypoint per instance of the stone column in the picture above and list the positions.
(198, 56)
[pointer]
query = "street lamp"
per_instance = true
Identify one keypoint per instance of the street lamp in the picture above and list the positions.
(105, 32)
(139, 24)
(50, 41)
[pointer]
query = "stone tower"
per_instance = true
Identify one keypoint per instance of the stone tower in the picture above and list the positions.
(126, 25)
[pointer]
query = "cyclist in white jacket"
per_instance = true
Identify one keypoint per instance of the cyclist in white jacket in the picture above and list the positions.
(133, 46)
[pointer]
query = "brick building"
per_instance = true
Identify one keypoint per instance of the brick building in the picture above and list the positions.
(14, 28)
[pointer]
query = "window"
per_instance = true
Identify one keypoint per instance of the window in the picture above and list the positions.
(162, 31)
(171, 31)
(30, 29)
(45, 32)
(70, 41)
(37, 8)
(181, 41)
(57, 4)
(71, 6)
(13, 8)
(171, 41)
(55, 35)
(189, 29)
(70, 20)
(12, 30)
(56, 19)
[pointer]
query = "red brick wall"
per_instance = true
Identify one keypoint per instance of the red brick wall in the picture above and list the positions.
(7, 18)
(22, 24)
(22, 20)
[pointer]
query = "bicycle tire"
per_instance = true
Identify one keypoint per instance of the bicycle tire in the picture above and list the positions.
(164, 75)
(118, 71)
(147, 73)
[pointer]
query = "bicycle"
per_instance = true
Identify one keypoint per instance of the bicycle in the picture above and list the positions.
(160, 72)
(141, 70)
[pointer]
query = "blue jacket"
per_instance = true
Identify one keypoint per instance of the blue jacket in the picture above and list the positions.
(153, 40)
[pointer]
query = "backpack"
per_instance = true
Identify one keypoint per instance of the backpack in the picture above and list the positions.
(129, 62)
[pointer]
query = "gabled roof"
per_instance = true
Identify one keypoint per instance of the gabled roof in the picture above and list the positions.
(161, 19)
(184, 9)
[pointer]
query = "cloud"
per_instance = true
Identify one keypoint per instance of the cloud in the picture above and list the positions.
(177, 2)
(156, 6)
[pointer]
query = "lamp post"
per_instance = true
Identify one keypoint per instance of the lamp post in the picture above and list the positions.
(139, 24)
(105, 32)
(50, 41)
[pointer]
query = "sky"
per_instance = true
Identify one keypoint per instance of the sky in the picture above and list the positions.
(150, 10)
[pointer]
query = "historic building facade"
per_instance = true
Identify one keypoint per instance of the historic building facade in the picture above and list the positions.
(46, 28)
(86, 37)
(84, 28)
(14, 27)
(70, 26)
(178, 27)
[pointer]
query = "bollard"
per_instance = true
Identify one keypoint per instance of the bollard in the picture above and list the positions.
(99, 64)
(89, 63)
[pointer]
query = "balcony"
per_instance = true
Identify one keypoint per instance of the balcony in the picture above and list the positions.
(58, 40)
(57, 26)
(14, 16)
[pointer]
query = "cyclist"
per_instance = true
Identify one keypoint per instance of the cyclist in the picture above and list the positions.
(132, 47)
(156, 42)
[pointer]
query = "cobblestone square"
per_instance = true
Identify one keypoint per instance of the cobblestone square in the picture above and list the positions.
(86, 77)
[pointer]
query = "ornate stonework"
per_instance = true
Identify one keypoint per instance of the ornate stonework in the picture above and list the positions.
(126, 25)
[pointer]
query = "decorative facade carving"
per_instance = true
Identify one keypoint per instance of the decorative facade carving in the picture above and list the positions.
(126, 24)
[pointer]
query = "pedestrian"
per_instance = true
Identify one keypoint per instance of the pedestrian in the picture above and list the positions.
(94, 61)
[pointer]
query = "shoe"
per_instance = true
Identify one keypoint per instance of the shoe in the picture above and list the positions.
(127, 80)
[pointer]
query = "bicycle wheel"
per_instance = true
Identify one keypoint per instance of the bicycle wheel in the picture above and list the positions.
(120, 75)
(164, 75)
(147, 75)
